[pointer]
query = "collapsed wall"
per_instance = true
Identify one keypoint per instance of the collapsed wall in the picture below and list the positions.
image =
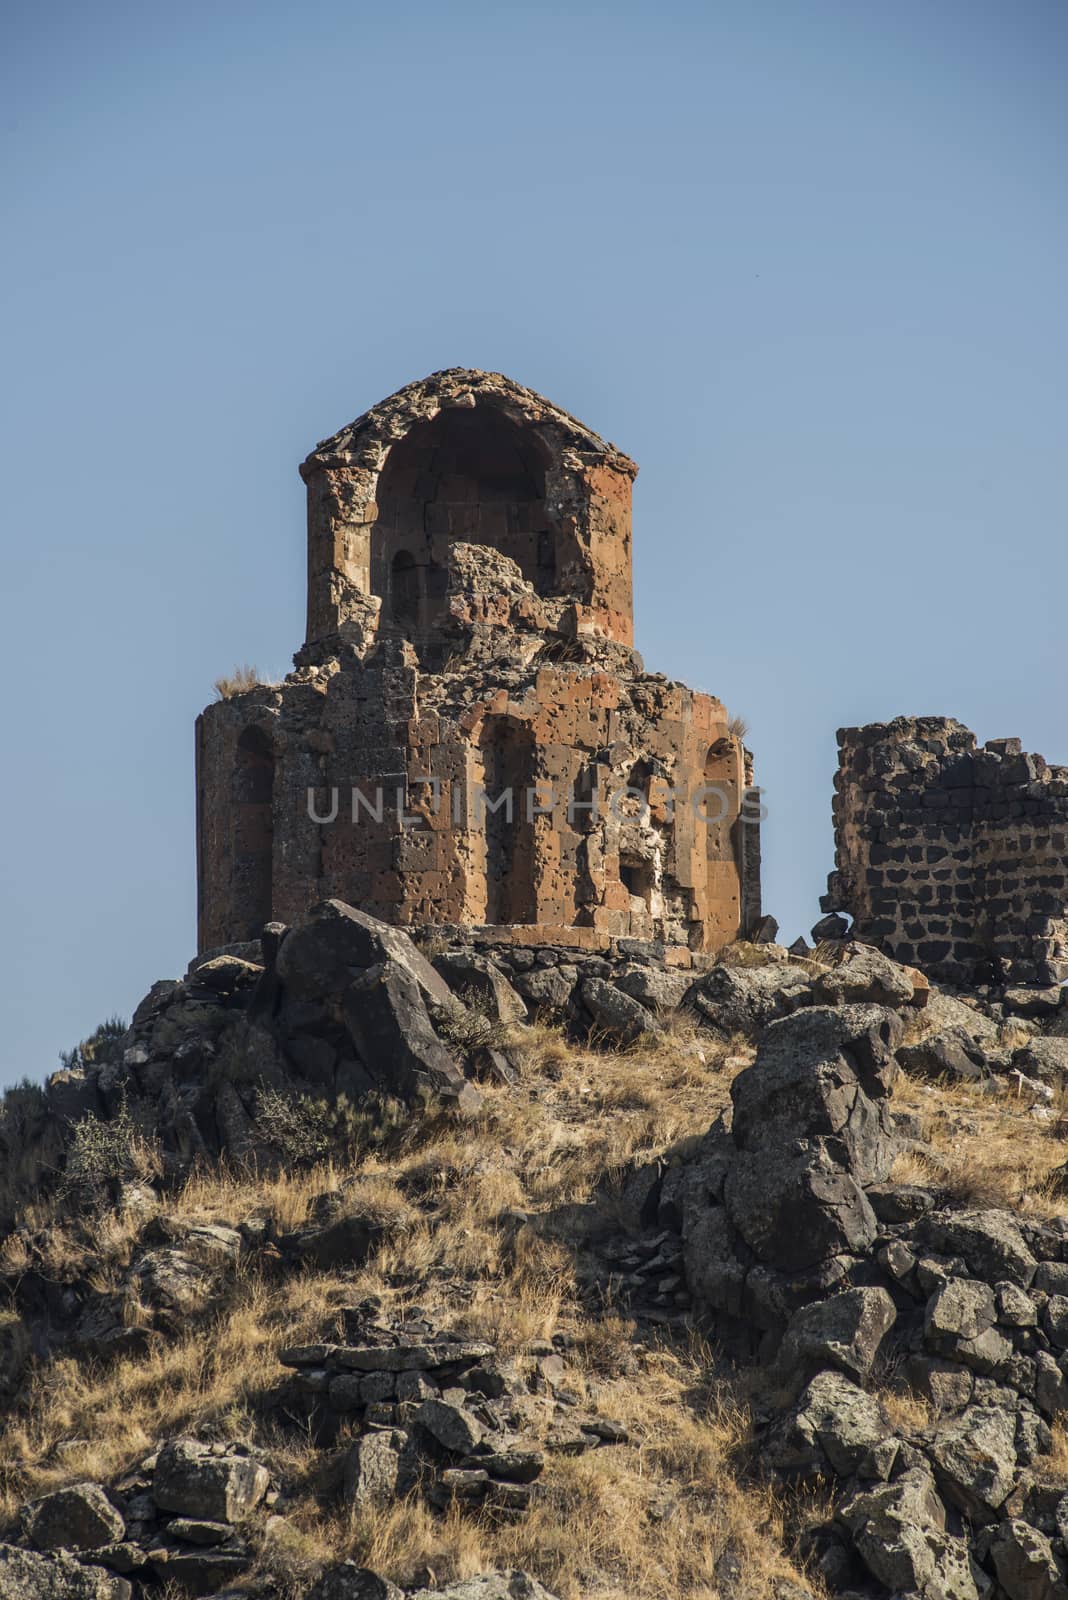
(952, 856)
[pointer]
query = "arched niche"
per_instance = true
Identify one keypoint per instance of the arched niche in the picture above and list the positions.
(470, 474)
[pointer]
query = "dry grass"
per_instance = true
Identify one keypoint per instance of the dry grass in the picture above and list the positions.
(651, 1517)
(985, 1147)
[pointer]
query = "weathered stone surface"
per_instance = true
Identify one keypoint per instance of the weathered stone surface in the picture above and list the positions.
(80, 1517)
(823, 1073)
(615, 1013)
(192, 1482)
(899, 1533)
(347, 1581)
(961, 1308)
(657, 989)
(844, 1332)
(989, 1241)
(374, 1468)
(951, 1054)
(14, 1354)
(389, 1024)
(1024, 1562)
(469, 974)
(837, 1423)
(975, 1460)
(319, 959)
(864, 977)
(489, 1586)
(797, 1210)
(452, 1426)
(744, 1000)
(25, 1575)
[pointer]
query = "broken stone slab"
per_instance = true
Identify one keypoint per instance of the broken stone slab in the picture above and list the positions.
(409, 1357)
(191, 1531)
(80, 1517)
(453, 1426)
(27, 1575)
(318, 960)
(388, 1022)
(190, 1481)
(197, 1572)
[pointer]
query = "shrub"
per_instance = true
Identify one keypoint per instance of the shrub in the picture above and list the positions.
(101, 1154)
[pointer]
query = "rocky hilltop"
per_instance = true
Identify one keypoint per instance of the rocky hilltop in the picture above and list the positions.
(361, 1266)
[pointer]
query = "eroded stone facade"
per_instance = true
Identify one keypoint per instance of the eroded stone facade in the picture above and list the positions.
(469, 640)
(951, 856)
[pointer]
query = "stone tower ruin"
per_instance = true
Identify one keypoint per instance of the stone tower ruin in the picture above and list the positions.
(468, 737)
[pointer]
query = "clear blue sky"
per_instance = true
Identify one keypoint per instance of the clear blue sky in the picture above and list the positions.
(804, 261)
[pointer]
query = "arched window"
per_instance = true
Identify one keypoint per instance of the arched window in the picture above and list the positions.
(253, 831)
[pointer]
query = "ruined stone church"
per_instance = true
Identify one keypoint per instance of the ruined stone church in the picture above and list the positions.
(468, 737)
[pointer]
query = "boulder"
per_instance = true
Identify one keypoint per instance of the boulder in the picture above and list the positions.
(375, 1468)
(387, 1019)
(796, 1210)
(657, 988)
(347, 1581)
(452, 1426)
(26, 1575)
(1041, 1001)
(547, 988)
(989, 1241)
(618, 1015)
(318, 961)
(864, 976)
(743, 1000)
(975, 1460)
(960, 1308)
(475, 977)
(1025, 1564)
(953, 1053)
(80, 1517)
(836, 1424)
(823, 1074)
(191, 1481)
(844, 1332)
(899, 1532)
(1045, 1059)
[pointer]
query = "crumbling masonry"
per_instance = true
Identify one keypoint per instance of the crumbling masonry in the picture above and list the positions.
(952, 857)
(468, 737)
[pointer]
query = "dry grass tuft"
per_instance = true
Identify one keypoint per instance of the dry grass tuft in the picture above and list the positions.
(239, 682)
